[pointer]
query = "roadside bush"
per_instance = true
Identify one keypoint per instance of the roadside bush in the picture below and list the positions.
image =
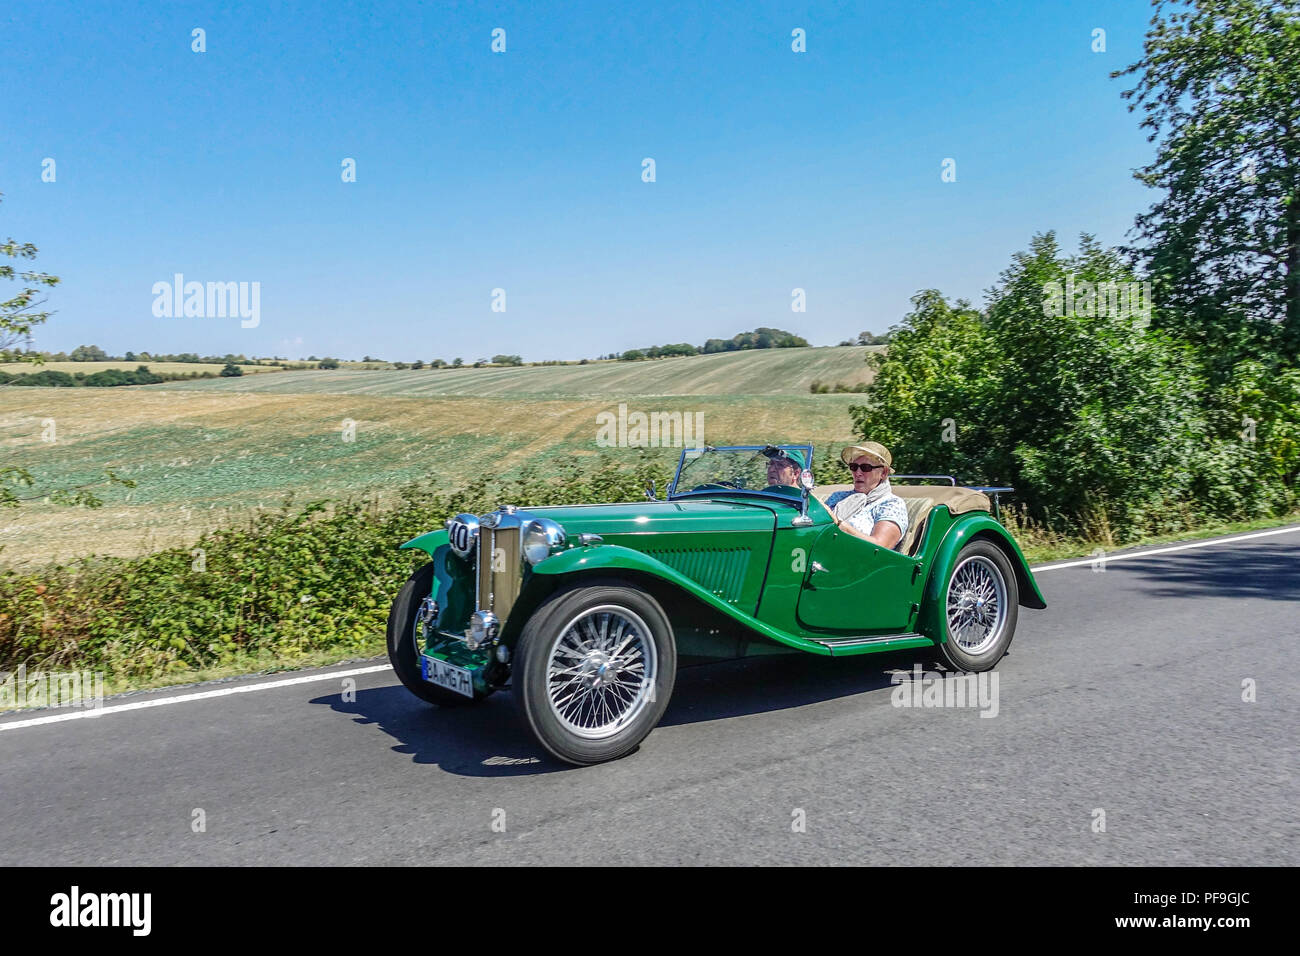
(313, 576)
(1250, 464)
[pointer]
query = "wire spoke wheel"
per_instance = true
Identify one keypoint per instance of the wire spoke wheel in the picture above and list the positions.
(600, 671)
(977, 605)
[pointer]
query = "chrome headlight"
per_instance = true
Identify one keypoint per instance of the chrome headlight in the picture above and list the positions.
(542, 537)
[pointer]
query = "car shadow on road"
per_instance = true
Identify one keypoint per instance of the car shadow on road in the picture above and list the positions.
(755, 685)
(488, 739)
(1270, 571)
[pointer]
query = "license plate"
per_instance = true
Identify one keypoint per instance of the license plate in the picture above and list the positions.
(446, 675)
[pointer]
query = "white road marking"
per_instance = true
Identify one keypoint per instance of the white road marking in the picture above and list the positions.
(374, 669)
(83, 714)
(1107, 559)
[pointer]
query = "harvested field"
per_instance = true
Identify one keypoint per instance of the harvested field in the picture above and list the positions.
(758, 372)
(202, 457)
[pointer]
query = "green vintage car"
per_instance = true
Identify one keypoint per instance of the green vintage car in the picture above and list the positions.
(586, 611)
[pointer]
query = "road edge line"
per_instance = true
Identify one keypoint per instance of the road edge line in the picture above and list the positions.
(1207, 543)
(85, 714)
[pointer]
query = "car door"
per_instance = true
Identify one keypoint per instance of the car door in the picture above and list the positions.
(856, 586)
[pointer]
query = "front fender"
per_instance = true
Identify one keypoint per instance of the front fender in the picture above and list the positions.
(615, 558)
(967, 528)
(428, 542)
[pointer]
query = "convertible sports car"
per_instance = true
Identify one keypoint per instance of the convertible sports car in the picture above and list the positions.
(586, 610)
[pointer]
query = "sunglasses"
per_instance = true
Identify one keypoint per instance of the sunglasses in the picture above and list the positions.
(854, 466)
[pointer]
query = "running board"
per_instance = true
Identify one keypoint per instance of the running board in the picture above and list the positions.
(844, 646)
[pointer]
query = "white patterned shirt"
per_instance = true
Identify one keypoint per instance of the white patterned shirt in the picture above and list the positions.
(888, 508)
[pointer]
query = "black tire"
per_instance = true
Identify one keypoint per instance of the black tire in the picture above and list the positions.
(653, 656)
(985, 558)
(402, 652)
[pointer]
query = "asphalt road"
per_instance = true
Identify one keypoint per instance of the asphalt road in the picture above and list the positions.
(1125, 696)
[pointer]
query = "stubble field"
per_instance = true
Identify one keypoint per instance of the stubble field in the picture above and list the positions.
(205, 453)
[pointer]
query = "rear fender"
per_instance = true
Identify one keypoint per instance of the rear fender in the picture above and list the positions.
(965, 529)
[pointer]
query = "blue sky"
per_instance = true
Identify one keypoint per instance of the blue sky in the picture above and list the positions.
(522, 170)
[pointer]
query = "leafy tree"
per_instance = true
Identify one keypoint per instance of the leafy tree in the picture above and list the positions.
(1219, 85)
(328, 363)
(767, 338)
(20, 314)
(231, 370)
(507, 360)
(1092, 417)
(88, 353)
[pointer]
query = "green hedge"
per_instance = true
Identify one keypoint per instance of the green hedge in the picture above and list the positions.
(306, 577)
(108, 378)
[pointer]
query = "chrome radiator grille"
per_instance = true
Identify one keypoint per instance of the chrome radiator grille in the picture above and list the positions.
(498, 572)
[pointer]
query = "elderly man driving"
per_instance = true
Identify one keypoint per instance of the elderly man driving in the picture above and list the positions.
(871, 510)
(783, 466)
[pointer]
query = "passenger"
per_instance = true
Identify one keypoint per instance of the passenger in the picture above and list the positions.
(871, 510)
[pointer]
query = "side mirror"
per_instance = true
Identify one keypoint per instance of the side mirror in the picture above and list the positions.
(651, 491)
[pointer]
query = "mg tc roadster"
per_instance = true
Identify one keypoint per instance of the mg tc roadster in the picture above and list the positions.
(586, 611)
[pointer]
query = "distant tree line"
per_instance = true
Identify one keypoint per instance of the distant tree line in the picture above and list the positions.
(870, 338)
(760, 338)
(93, 353)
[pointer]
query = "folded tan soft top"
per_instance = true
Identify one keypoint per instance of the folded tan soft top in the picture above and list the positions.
(959, 500)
